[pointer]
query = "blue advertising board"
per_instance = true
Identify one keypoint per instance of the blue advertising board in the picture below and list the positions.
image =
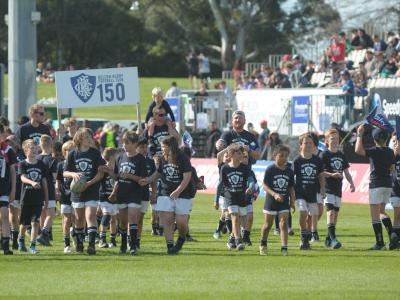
(300, 109)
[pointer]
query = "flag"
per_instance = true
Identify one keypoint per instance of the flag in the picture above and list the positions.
(378, 119)
(398, 127)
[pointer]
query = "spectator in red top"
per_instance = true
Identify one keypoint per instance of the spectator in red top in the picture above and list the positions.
(337, 50)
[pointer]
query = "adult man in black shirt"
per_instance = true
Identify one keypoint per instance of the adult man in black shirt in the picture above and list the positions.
(35, 128)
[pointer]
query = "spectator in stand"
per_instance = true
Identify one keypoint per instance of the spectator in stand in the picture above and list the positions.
(266, 71)
(297, 64)
(307, 75)
(361, 75)
(337, 51)
(193, 69)
(389, 68)
(263, 139)
(204, 68)
(343, 39)
(159, 101)
(379, 44)
(34, 128)
(247, 83)
(335, 73)
(362, 40)
(348, 94)
(212, 137)
(377, 65)
(250, 128)
(392, 47)
(294, 75)
(369, 63)
(173, 91)
(259, 82)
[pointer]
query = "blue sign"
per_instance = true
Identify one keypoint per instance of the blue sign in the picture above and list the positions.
(300, 109)
(174, 103)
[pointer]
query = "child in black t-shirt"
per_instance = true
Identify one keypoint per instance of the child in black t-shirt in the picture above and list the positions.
(382, 162)
(130, 167)
(34, 194)
(85, 161)
(108, 208)
(309, 181)
(395, 197)
(159, 102)
(335, 165)
(280, 196)
(63, 189)
(7, 189)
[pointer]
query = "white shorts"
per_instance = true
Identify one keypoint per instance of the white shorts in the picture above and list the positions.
(66, 209)
(222, 203)
(250, 209)
(379, 195)
(180, 206)
(333, 199)
(4, 198)
(395, 201)
(320, 200)
(275, 212)
(90, 203)
(51, 204)
(16, 204)
(108, 208)
(129, 205)
(144, 205)
(234, 209)
(311, 208)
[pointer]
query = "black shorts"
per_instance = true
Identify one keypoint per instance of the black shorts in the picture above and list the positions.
(30, 214)
(4, 204)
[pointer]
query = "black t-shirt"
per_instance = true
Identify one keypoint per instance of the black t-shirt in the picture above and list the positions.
(307, 182)
(66, 138)
(172, 175)
(334, 162)
(128, 190)
(35, 172)
(396, 177)
(235, 183)
(243, 138)
(106, 188)
(87, 163)
(51, 164)
(380, 161)
(279, 181)
(65, 183)
(150, 169)
(28, 131)
(155, 140)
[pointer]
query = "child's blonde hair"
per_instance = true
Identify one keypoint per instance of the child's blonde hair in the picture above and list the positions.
(80, 135)
(67, 146)
(330, 132)
(28, 144)
(46, 142)
(109, 152)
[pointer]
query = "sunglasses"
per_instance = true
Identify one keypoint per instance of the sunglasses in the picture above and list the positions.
(161, 115)
(40, 113)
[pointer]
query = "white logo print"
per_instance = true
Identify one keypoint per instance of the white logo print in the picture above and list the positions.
(281, 182)
(34, 175)
(170, 171)
(83, 165)
(337, 164)
(308, 170)
(235, 179)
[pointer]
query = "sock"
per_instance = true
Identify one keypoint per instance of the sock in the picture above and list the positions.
(331, 231)
(283, 248)
(92, 231)
(237, 241)
(229, 225)
(103, 236)
(263, 243)
(378, 232)
(170, 245)
(80, 235)
(133, 233)
(221, 225)
(276, 223)
(388, 225)
(154, 226)
(290, 220)
(14, 234)
(113, 236)
(67, 240)
(304, 236)
(124, 239)
(33, 243)
(5, 242)
(45, 231)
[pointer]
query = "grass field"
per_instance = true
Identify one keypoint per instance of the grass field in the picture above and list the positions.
(146, 84)
(207, 270)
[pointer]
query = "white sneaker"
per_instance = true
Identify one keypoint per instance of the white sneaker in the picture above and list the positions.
(277, 232)
(217, 235)
(263, 250)
(67, 250)
(240, 246)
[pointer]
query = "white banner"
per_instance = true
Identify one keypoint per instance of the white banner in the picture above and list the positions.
(99, 87)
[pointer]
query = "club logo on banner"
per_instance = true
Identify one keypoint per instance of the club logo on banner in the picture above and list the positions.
(100, 87)
(83, 86)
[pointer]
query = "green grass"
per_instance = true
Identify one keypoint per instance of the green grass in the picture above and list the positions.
(146, 84)
(207, 270)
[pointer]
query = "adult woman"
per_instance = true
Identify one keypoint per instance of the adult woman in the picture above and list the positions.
(173, 201)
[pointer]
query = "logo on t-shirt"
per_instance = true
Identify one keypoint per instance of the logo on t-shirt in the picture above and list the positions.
(337, 164)
(35, 137)
(84, 165)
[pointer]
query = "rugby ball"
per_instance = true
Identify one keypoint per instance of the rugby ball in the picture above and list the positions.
(77, 186)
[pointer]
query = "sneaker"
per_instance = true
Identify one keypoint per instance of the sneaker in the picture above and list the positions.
(327, 242)
(103, 244)
(123, 250)
(247, 241)
(43, 240)
(32, 250)
(79, 248)
(138, 244)
(22, 247)
(263, 250)
(15, 246)
(67, 250)
(172, 251)
(394, 240)
(161, 231)
(335, 244)
(305, 246)
(7, 252)
(189, 238)
(178, 246)
(290, 232)
(154, 232)
(133, 252)
(277, 232)
(314, 238)
(217, 235)
(91, 250)
(377, 247)
(284, 251)
(240, 246)
(112, 244)
(231, 245)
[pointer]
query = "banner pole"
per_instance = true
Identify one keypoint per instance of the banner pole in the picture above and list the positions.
(59, 124)
(139, 119)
